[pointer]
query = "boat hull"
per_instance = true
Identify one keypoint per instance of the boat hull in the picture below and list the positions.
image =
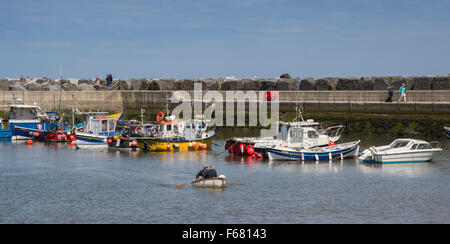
(57, 137)
(211, 183)
(160, 145)
(447, 131)
(91, 141)
(25, 133)
(340, 151)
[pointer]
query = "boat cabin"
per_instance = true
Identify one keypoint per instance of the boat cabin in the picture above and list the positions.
(98, 123)
(298, 135)
(25, 113)
(410, 144)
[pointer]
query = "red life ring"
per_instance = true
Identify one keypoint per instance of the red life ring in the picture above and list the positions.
(160, 116)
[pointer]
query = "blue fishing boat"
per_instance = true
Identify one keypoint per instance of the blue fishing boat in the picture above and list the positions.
(447, 131)
(25, 122)
(339, 151)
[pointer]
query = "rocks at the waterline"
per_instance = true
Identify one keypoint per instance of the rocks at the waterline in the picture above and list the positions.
(284, 83)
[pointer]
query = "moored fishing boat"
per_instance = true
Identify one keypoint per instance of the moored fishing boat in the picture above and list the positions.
(401, 151)
(289, 134)
(97, 128)
(339, 151)
(25, 122)
(447, 131)
(172, 134)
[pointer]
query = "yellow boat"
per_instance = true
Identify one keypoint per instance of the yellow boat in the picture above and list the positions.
(171, 134)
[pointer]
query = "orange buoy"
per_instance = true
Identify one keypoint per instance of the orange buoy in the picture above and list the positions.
(72, 137)
(331, 143)
(30, 142)
(202, 146)
(39, 127)
(73, 143)
(109, 141)
(160, 116)
(169, 146)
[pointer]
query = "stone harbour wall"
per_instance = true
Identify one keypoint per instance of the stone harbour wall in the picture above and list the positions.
(284, 83)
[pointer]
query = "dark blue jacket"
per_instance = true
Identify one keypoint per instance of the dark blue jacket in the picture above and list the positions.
(211, 173)
(201, 173)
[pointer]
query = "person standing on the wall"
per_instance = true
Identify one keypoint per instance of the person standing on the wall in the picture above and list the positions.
(109, 80)
(402, 92)
(390, 92)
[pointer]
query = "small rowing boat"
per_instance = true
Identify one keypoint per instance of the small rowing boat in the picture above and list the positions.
(447, 131)
(219, 182)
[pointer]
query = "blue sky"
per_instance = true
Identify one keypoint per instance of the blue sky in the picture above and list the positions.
(209, 38)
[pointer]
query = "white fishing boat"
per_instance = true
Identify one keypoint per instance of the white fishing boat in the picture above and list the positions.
(339, 151)
(401, 151)
(219, 182)
(447, 131)
(302, 134)
(96, 130)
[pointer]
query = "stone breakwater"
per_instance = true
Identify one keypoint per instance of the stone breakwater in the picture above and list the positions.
(222, 84)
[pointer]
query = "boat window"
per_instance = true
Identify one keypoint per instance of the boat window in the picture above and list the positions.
(424, 146)
(400, 144)
(169, 127)
(414, 147)
(296, 136)
(313, 134)
(104, 125)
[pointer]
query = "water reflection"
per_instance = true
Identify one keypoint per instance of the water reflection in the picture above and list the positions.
(405, 169)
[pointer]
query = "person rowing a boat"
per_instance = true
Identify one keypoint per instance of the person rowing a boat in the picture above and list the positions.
(211, 173)
(202, 173)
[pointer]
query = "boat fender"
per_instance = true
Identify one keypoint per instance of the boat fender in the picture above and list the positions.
(134, 143)
(169, 146)
(222, 177)
(176, 146)
(250, 151)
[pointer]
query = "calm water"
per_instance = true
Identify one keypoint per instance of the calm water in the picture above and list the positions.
(54, 183)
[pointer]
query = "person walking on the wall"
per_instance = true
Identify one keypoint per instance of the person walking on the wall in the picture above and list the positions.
(402, 92)
(109, 80)
(391, 92)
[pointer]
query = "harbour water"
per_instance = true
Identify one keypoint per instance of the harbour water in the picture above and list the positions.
(55, 183)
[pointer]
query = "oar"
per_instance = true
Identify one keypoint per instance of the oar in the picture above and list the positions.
(229, 183)
(189, 182)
